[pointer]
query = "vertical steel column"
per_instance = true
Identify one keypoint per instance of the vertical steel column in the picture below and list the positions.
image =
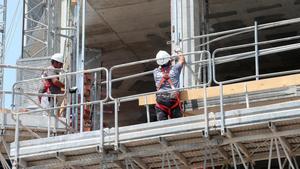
(15, 164)
(77, 58)
(176, 23)
(176, 29)
(204, 16)
(207, 23)
(2, 52)
(256, 51)
(82, 65)
(49, 26)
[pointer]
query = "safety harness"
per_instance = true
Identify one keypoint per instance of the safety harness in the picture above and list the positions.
(46, 82)
(166, 78)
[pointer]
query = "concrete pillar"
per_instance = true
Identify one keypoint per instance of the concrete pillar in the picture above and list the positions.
(186, 16)
(64, 23)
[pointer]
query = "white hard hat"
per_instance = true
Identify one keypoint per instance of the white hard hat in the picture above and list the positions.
(162, 57)
(59, 57)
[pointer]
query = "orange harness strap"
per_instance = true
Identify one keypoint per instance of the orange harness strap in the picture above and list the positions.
(166, 78)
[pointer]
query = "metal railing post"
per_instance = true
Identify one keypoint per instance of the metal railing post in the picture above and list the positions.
(116, 124)
(78, 6)
(55, 114)
(17, 131)
(256, 50)
(246, 95)
(206, 132)
(49, 124)
(222, 110)
(101, 127)
(82, 65)
(3, 115)
(68, 110)
(17, 134)
(147, 109)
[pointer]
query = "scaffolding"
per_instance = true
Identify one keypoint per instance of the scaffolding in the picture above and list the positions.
(238, 121)
(239, 136)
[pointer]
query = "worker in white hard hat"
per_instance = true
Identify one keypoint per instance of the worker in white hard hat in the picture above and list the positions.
(166, 77)
(53, 85)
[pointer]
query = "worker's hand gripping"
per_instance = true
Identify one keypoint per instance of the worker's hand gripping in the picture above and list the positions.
(180, 55)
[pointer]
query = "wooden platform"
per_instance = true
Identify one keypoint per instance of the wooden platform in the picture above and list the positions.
(232, 89)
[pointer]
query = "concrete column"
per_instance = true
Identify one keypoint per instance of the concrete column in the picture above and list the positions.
(176, 31)
(188, 30)
(64, 23)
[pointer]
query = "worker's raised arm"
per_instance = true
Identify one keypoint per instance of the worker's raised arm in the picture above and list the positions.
(181, 59)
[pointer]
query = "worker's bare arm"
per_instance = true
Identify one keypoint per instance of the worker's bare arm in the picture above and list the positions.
(58, 83)
(181, 59)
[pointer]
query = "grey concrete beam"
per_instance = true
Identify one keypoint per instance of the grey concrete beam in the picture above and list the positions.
(177, 154)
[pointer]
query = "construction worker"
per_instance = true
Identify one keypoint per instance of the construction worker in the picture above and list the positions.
(53, 85)
(166, 77)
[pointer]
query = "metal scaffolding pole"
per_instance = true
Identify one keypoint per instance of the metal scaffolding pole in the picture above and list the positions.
(2, 45)
(82, 65)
